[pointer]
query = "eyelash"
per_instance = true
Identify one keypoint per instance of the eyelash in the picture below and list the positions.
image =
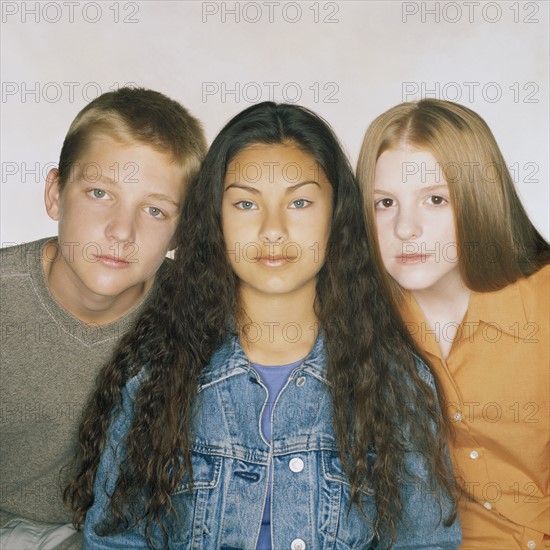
(443, 200)
(378, 204)
(161, 213)
(239, 204)
(306, 202)
(91, 193)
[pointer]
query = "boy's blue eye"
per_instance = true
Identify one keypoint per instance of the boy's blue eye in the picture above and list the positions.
(300, 203)
(99, 193)
(154, 211)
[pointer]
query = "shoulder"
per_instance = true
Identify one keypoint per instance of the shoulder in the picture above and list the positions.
(535, 293)
(19, 259)
(538, 282)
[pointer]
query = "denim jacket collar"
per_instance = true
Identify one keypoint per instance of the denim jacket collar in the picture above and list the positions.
(231, 359)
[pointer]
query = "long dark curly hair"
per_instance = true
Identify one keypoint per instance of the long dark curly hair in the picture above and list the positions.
(370, 356)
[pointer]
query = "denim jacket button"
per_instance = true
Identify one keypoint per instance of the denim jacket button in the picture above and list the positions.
(297, 544)
(296, 465)
(300, 381)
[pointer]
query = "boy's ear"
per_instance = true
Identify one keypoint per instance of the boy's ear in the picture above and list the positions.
(52, 194)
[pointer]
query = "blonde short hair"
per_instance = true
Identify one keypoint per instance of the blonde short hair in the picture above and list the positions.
(136, 115)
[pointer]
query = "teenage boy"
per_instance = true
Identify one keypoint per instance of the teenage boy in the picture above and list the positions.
(66, 301)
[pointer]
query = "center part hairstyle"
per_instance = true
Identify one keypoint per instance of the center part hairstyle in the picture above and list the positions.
(497, 243)
(195, 309)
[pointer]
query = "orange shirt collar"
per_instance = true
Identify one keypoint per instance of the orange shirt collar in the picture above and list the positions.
(503, 308)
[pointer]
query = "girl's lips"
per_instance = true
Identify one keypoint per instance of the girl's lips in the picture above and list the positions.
(111, 261)
(412, 258)
(273, 261)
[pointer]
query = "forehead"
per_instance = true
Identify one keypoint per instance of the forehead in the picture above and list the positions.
(408, 166)
(106, 159)
(262, 162)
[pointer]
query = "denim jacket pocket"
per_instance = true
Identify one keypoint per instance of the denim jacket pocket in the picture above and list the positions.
(347, 527)
(195, 504)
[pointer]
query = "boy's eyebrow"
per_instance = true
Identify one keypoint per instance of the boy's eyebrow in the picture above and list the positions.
(162, 197)
(158, 196)
(107, 179)
(290, 189)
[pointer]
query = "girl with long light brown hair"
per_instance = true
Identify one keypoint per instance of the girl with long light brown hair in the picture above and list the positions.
(469, 273)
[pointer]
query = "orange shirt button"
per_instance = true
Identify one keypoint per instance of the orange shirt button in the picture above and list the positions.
(531, 544)
(474, 455)
(488, 505)
(457, 416)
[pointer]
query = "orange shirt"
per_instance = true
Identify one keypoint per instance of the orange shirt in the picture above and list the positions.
(497, 391)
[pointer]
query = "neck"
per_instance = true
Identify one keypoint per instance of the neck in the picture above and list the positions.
(449, 298)
(87, 307)
(277, 329)
(444, 307)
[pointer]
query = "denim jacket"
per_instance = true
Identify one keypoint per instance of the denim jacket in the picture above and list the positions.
(310, 493)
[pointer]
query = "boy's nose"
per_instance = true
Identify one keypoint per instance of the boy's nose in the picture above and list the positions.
(121, 227)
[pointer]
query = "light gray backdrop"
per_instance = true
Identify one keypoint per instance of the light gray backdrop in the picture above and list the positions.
(348, 61)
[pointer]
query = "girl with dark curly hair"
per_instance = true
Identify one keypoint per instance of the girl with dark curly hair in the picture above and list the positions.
(269, 397)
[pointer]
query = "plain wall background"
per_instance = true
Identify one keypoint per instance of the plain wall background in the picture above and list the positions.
(348, 61)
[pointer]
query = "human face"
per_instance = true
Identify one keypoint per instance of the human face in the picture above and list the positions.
(415, 221)
(117, 214)
(276, 212)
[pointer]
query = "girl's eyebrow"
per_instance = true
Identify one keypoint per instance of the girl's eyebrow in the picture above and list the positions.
(428, 189)
(290, 189)
(434, 187)
(298, 185)
(243, 187)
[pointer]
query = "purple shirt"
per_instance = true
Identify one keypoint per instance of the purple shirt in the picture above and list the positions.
(274, 379)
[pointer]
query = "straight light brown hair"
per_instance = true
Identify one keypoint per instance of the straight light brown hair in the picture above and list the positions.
(497, 242)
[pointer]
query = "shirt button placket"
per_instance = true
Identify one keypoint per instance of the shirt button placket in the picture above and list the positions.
(296, 465)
